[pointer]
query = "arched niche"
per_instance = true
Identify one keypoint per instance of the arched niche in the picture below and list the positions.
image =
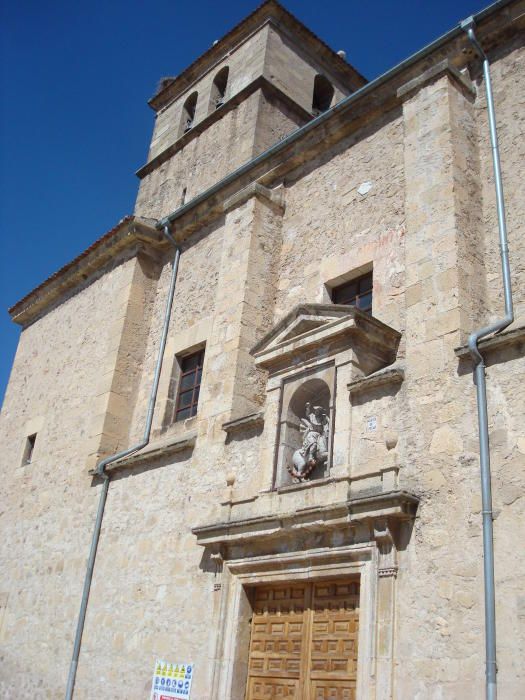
(323, 95)
(305, 431)
(218, 89)
(188, 112)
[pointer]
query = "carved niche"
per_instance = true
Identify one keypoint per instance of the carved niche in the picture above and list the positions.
(305, 427)
(308, 354)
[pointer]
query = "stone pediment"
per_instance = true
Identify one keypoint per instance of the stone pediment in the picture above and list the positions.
(313, 329)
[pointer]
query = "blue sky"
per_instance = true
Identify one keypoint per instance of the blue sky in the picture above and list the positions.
(74, 123)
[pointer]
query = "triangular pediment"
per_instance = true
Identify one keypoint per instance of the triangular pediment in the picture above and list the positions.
(311, 327)
(305, 318)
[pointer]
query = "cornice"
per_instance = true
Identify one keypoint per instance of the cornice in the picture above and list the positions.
(131, 235)
(384, 377)
(160, 449)
(514, 335)
(397, 505)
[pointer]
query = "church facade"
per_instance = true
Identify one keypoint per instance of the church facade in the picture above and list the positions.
(295, 510)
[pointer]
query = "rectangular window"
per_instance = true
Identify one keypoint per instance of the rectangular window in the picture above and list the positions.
(189, 385)
(28, 449)
(356, 293)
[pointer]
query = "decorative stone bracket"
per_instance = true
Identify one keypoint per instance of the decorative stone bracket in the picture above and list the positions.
(249, 422)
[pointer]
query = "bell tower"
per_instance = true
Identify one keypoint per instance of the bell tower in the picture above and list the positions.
(264, 79)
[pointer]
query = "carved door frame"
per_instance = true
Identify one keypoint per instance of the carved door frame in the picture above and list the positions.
(231, 649)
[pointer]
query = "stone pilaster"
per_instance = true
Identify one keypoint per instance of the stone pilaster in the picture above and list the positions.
(121, 366)
(443, 240)
(244, 304)
(385, 613)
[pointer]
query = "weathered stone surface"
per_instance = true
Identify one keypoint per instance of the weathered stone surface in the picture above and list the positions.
(402, 187)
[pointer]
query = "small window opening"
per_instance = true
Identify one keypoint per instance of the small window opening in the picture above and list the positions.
(357, 292)
(28, 450)
(183, 196)
(189, 385)
(188, 112)
(323, 95)
(218, 92)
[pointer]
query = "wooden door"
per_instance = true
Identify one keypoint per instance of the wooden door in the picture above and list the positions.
(333, 650)
(304, 641)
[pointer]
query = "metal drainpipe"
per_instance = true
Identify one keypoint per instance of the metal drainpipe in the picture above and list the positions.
(101, 467)
(479, 379)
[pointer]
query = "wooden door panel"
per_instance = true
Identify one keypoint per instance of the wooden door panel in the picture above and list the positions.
(277, 641)
(332, 690)
(304, 642)
(335, 627)
(268, 689)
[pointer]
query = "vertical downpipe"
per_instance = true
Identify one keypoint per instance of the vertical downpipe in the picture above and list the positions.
(481, 389)
(101, 471)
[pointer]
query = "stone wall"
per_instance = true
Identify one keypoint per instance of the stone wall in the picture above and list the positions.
(201, 162)
(234, 139)
(509, 96)
(49, 506)
(358, 219)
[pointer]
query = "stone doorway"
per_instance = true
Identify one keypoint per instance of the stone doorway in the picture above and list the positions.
(304, 639)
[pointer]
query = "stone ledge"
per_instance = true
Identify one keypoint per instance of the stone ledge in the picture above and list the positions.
(310, 484)
(255, 189)
(384, 377)
(153, 451)
(129, 237)
(252, 420)
(399, 505)
(444, 67)
(495, 342)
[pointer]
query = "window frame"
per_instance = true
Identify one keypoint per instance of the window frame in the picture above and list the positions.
(29, 448)
(194, 388)
(364, 285)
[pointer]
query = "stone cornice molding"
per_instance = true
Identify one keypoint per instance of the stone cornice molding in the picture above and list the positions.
(444, 67)
(154, 450)
(396, 505)
(130, 236)
(390, 376)
(273, 197)
(254, 420)
(515, 335)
